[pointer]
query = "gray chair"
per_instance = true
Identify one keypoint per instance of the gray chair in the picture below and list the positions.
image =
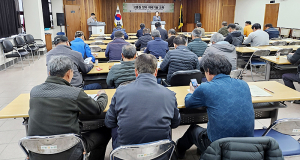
(144, 151)
(285, 51)
(183, 78)
(99, 38)
(97, 43)
(95, 48)
(279, 43)
(255, 63)
(51, 144)
(295, 43)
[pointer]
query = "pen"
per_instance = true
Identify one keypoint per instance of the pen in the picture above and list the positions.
(268, 90)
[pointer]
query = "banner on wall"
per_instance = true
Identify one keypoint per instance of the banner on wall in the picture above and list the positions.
(148, 7)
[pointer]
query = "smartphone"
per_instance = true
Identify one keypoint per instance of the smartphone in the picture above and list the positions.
(194, 83)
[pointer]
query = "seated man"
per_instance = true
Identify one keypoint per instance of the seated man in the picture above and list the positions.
(119, 28)
(78, 45)
(223, 30)
(157, 46)
(62, 48)
(228, 103)
(248, 28)
(273, 32)
(179, 59)
(54, 109)
(257, 37)
(142, 111)
(221, 47)
(289, 78)
(163, 32)
(234, 37)
(199, 26)
(114, 48)
(239, 28)
(139, 33)
(197, 46)
(143, 41)
(172, 35)
(123, 72)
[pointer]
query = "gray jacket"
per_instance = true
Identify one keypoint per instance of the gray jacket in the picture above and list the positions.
(222, 48)
(250, 148)
(257, 38)
(89, 21)
(80, 66)
(120, 73)
(156, 18)
(143, 111)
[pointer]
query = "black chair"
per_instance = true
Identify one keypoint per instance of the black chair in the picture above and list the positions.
(183, 78)
(21, 45)
(20, 41)
(15, 53)
(29, 39)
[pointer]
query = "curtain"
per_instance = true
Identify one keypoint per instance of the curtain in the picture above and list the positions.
(46, 14)
(9, 23)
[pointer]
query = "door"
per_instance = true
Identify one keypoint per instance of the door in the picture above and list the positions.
(271, 14)
(72, 20)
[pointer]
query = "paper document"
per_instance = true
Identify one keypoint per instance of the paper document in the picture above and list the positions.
(276, 47)
(88, 60)
(93, 96)
(158, 64)
(253, 48)
(117, 63)
(258, 92)
(98, 41)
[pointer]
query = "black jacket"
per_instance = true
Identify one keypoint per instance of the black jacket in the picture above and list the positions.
(170, 41)
(142, 42)
(235, 38)
(250, 148)
(295, 58)
(163, 33)
(179, 59)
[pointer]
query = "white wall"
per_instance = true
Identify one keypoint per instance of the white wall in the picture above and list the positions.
(254, 11)
(57, 7)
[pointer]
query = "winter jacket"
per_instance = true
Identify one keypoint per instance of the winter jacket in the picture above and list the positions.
(79, 46)
(112, 36)
(179, 59)
(157, 47)
(139, 33)
(197, 46)
(273, 32)
(114, 49)
(222, 48)
(250, 148)
(163, 33)
(224, 31)
(170, 41)
(143, 41)
(235, 38)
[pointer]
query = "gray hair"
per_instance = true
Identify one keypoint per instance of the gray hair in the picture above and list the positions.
(155, 33)
(60, 65)
(196, 32)
(146, 63)
(217, 37)
(172, 31)
(128, 51)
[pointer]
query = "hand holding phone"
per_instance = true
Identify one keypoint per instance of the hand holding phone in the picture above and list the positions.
(194, 83)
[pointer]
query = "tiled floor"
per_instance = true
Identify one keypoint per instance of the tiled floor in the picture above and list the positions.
(15, 81)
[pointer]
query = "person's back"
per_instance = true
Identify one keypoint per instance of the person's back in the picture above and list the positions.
(172, 35)
(144, 39)
(273, 32)
(197, 46)
(157, 47)
(224, 30)
(163, 32)
(154, 104)
(248, 28)
(114, 48)
(258, 37)
(139, 33)
(79, 46)
(234, 37)
(199, 26)
(180, 59)
(112, 36)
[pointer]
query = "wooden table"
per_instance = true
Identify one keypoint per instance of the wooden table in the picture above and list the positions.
(271, 48)
(103, 66)
(108, 37)
(101, 46)
(107, 41)
(19, 107)
(100, 55)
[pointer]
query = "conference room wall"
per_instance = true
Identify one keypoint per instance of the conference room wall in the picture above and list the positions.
(254, 11)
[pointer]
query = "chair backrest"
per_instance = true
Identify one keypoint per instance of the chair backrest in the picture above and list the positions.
(235, 74)
(7, 46)
(49, 144)
(285, 32)
(289, 126)
(19, 41)
(183, 78)
(144, 151)
(261, 52)
(29, 39)
(295, 43)
(99, 38)
(285, 51)
(279, 43)
(97, 43)
(296, 33)
(276, 38)
(95, 49)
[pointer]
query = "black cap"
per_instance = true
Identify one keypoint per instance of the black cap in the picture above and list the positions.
(248, 22)
(60, 38)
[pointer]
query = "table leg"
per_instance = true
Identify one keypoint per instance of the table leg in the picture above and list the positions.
(274, 115)
(25, 123)
(268, 71)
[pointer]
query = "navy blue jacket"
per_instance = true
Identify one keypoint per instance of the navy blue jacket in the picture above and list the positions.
(157, 47)
(143, 41)
(163, 33)
(229, 107)
(273, 32)
(114, 49)
(112, 36)
(143, 111)
(139, 33)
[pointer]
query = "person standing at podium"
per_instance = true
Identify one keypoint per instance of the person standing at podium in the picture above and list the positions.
(92, 19)
(156, 17)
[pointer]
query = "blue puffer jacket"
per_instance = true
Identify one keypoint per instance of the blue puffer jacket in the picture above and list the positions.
(157, 47)
(114, 49)
(79, 46)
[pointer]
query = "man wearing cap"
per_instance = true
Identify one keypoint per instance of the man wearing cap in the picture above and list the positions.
(62, 48)
(92, 19)
(78, 45)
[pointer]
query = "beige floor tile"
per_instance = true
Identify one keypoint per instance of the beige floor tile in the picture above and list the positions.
(12, 125)
(12, 151)
(7, 136)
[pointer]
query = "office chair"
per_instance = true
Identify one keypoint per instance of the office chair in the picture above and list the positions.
(279, 38)
(295, 33)
(29, 39)
(183, 78)
(53, 144)
(9, 51)
(95, 48)
(171, 48)
(295, 43)
(279, 43)
(99, 38)
(285, 32)
(97, 43)
(285, 51)
(144, 151)
(22, 46)
(282, 130)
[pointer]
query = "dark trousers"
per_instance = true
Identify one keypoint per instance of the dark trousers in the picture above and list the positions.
(195, 135)
(92, 86)
(90, 34)
(289, 78)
